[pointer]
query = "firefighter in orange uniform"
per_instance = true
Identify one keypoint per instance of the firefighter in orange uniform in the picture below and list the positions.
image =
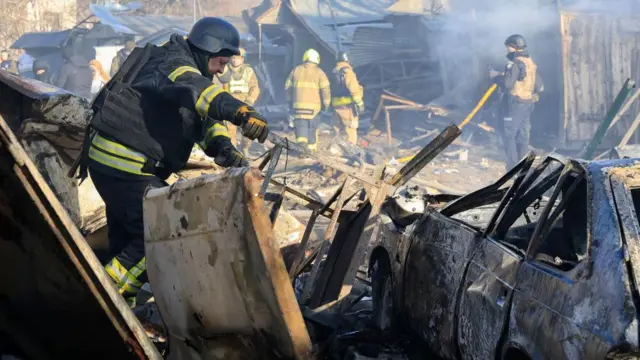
(308, 91)
(347, 96)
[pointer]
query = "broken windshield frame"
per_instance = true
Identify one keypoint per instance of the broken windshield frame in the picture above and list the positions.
(547, 219)
(525, 195)
(490, 194)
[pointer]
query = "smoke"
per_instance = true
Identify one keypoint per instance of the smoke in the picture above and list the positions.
(475, 29)
(601, 6)
(472, 33)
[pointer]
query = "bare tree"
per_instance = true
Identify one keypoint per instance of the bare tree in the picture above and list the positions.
(23, 16)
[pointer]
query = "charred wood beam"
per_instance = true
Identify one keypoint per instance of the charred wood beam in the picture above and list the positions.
(303, 152)
(304, 200)
(326, 244)
(428, 153)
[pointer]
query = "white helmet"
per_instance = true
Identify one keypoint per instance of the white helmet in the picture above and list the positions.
(311, 56)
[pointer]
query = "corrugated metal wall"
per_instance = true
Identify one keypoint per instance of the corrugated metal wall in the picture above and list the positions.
(599, 52)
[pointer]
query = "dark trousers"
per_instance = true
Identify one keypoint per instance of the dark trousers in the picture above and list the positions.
(516, 132)
(306, 131)
(123, 196)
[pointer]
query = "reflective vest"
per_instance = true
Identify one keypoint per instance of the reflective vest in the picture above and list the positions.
(524, 88)
(239, 83)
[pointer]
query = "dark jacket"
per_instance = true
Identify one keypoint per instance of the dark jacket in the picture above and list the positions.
(75, 74)
(119, 59)
(174, 98)
(41, 64)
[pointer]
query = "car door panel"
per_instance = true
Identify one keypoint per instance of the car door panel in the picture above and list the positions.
(547, 308)
(571, 299)
(484, 302)
(436, 260)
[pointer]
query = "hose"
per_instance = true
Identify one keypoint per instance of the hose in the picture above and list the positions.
(479, 105)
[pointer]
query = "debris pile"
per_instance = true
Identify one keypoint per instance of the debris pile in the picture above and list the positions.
(322, 209)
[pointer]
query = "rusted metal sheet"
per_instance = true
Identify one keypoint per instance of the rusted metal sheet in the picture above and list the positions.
(597, 54)
(217, 274)
(56, 300)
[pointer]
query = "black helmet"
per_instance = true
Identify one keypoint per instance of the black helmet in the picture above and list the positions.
(342, 56)
(516, 41)
(213, 35)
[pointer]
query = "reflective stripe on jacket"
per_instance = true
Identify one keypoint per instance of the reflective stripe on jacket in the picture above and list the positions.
(162, 112)
(117, 156)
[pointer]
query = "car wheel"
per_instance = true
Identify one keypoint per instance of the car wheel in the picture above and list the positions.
(381, 288)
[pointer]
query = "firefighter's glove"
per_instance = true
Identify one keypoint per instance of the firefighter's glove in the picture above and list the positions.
(360, 107)
(224, 153)
(254, 126)
(231, 157)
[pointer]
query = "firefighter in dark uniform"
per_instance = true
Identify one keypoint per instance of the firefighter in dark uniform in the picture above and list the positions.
(521, 85)
(145, 123)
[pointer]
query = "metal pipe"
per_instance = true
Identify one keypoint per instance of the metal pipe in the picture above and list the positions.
(632, 129)
(335, 26)
(602, 129)
(625, 108)
(259, 42)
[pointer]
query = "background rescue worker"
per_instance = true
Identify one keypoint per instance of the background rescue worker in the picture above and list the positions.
(41, 71)
(522, 85)
(75, 74)
(241, 81)
(146, 120)
(6, 63)
(347, 96)
(308, 92)
(121, 56)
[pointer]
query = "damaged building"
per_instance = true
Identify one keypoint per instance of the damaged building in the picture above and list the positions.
(418, 245)
(458, 41)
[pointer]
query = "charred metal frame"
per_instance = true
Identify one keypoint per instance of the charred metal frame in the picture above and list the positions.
(404, 104)
(346, 239)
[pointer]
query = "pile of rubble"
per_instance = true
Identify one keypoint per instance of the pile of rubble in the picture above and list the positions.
(322, 206)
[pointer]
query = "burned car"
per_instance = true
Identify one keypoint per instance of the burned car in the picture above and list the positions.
(542, 264)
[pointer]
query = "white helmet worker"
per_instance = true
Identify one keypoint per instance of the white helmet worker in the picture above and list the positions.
(311, 56)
